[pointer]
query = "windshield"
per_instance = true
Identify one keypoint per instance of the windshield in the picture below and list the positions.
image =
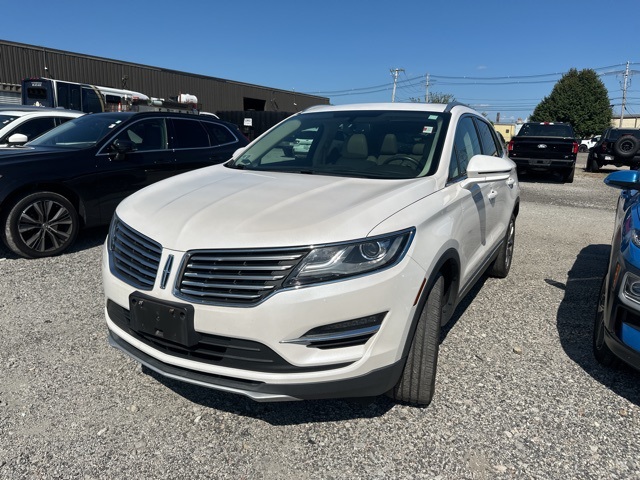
(369, 144)
(546, 130)
(81, 132)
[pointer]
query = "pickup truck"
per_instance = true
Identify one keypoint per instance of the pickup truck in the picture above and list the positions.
(545, 146)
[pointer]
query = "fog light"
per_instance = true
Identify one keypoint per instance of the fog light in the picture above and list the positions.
(341, 334)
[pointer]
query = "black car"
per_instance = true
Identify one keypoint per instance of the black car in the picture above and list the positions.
(76, 174)
(617, 146)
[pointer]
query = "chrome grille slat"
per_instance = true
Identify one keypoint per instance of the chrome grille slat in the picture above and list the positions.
(236, 277)
(254, 278)
(226, 286)
(137, 262)
(137, 239)
(237, 267)
(235, 296)
(133, 257)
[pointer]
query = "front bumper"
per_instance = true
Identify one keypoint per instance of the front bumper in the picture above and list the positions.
(371, 384)
(368, 369)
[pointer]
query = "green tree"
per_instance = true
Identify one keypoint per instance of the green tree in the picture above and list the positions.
(437, 97)
(579, 98)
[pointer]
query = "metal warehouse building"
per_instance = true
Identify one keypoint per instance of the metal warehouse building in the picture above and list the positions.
(19, 61)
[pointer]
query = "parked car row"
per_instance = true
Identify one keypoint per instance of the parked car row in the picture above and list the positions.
(319, 261)
(75, 175)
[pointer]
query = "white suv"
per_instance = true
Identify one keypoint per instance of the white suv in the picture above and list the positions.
(321, 274)
(20, 124)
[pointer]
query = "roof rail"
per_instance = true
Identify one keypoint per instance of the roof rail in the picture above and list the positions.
(450, 105)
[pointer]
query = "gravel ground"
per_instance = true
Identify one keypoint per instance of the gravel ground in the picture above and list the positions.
(518, 393)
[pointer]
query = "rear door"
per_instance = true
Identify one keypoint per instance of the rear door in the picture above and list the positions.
(199, 143)
(498, 194)
(475, 218)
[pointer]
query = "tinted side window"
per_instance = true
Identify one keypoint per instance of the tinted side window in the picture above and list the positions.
(35, 127)
(466, 145)
(148, 134)
(189, 134)
(218, 134)
(489, 144)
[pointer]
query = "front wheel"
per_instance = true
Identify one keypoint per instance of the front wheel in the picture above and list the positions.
(601, 351)
(41, 224)
(417, 382)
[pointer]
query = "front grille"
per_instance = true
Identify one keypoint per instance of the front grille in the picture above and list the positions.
(240, 277)
(133, 257)
(215, 349)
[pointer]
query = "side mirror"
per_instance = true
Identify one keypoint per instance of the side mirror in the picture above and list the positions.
(623, 179)
(17, 139)
(121, 148)
(485, 168)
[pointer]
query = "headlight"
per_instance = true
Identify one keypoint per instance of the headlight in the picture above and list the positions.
(631, 287)
(335, 262)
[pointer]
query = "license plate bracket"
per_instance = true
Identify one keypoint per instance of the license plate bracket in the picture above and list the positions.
(166, 320)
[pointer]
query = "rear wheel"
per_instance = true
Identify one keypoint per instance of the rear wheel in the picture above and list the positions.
(502, 264)
(592, 164)
(601, 351)
(41, 224)
(417, 382)
(568, 176)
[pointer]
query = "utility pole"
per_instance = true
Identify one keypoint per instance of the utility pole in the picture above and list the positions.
(395, 72)
(426, 93)
(624, 94)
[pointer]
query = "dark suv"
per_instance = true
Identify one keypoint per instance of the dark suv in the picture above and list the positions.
(76, 174)
(618, 146)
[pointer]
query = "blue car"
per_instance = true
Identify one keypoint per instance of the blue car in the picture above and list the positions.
(616, 333)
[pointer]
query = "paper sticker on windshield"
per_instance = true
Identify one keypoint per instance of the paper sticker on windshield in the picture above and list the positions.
(433, 117)
(427, 129)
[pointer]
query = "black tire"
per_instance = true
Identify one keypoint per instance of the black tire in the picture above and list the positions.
(626, 146)
(502, 264)
(569, 174)
(582, 148)
(592, 164)
(417, 382)
(601, 351)
(41, 224)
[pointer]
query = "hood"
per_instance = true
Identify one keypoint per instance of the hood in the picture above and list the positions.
(219, 207)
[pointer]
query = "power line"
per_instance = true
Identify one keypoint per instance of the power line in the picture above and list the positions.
(464, 80)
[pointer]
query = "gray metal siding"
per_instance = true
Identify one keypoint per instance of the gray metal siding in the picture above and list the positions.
(19, 61)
